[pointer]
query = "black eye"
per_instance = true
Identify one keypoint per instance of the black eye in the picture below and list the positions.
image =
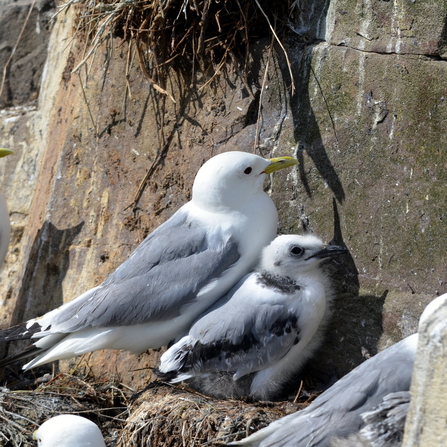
(248, 170)
(297, 250)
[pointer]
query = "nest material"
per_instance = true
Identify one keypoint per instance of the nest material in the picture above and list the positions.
(167, 416)
(197, 34)
(162, 416)
(21, 412)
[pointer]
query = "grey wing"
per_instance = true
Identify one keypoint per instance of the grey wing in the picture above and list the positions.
(167, 271)
(337, 412)
(241, 337)
(332, 414)
(385, 424)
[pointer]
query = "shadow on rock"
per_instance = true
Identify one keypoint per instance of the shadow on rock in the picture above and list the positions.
(354, 329)
(41, 289)
(309, 26)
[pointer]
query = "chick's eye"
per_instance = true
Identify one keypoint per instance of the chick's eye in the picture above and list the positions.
(248, 170)
(297, 250)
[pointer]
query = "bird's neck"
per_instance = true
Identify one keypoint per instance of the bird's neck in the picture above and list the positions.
(283, 284)
(215, 200)
(313, 278)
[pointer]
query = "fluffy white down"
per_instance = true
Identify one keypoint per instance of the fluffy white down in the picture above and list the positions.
(239, 336)
(69, 430)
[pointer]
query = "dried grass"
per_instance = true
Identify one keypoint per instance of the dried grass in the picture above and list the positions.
(21, 412)
(195, 35)
(171, 416)
(161, 416)
(199, 39)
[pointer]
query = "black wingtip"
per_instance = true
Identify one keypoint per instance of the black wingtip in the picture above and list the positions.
(28, 352)
(166, 376)
(19, 332)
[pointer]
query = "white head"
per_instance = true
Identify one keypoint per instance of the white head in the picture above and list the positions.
(69, 430)
(231, 179)
(292, 255)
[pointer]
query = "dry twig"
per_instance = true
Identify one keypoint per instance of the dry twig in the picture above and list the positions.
(282, 47)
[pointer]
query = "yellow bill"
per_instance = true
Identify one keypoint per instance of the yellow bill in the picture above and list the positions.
(280, 163)
(4, 152)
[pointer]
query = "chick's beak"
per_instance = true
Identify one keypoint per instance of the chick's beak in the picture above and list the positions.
(328, 251)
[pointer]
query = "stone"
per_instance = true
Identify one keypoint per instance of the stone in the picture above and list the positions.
(24, 34)
(426, 418)
(111, 159)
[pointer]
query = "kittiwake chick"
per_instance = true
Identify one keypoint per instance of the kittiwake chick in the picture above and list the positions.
(258, 336)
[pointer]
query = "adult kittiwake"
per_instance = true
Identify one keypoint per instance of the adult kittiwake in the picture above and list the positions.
(258, 336)
(175, 274)
(337, 412)
(384, 425)
(69, 430)
(5, 226)
(346, 410)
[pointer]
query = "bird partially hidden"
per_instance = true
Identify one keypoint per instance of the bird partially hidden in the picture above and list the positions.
(337, 412)
(258, 336)
(69, 430)
(383, 425)
(367, 407)
(5, 225)
(175, 274)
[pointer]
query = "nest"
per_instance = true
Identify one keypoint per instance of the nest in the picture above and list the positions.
(161, 416)
(198, 35)
(21, 412)
(173, 416)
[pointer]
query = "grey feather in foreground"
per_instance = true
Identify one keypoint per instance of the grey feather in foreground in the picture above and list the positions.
(258, 336)
(177, 272)
(384, 424)
(367, 407)
(69, 430)
(337, 412)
